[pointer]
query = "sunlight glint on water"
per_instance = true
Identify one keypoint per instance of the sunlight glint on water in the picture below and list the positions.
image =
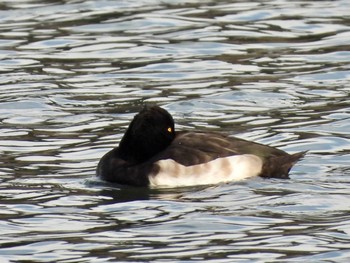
(73, 74)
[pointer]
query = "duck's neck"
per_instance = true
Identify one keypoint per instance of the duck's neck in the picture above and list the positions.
(127, 149)
(138, 150)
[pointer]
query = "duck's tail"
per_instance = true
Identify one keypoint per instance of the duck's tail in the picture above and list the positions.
(279, 166)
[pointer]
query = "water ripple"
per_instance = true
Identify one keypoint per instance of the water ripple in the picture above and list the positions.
(73, 74)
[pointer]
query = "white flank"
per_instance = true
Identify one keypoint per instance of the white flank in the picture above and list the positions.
(233, 168)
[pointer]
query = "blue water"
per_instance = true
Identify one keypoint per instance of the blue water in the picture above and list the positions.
(73, 74)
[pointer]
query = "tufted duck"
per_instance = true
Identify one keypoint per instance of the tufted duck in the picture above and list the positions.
(152, 154)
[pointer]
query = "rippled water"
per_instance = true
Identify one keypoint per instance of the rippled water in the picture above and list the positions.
(72, 75)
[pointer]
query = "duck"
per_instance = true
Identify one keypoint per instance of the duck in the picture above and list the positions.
(152, 153)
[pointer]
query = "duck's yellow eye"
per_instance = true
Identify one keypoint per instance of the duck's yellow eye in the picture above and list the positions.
(170, 129)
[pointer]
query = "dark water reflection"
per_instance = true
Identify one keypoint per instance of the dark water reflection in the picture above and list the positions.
(72, 75)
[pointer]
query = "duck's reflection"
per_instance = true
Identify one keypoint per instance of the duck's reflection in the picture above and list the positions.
(117, 193)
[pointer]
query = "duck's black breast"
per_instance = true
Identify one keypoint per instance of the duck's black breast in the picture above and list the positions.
(113, 168)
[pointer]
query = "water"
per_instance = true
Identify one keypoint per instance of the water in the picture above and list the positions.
(72, 75)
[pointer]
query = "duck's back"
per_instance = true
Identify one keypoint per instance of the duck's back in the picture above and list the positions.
(191, 148)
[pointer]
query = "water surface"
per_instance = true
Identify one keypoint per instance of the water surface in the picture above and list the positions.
(73, 74)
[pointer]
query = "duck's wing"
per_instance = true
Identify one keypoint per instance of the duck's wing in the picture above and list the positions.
(191, 148)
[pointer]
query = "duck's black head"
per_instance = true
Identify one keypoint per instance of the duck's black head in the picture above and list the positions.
(150, 132)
